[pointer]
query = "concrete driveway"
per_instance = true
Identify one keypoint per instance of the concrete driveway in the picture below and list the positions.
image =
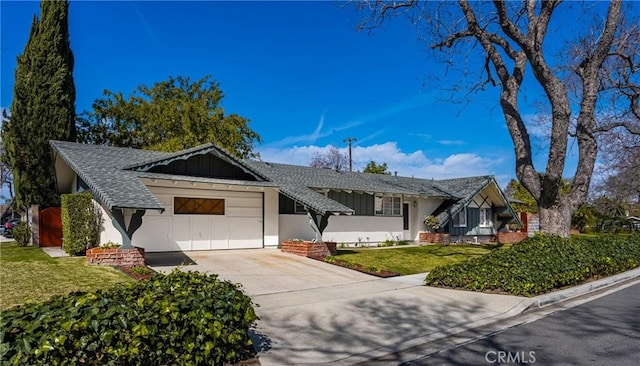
(260, 271)
(313, 312)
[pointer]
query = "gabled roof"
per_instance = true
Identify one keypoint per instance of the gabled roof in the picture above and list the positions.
(209, 148)
(465, 189)
(101, 168)
(115, 176)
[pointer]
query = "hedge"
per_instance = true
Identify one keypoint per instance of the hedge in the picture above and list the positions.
(176, 319)
(541, 264)
(80, 223)
(22, 234)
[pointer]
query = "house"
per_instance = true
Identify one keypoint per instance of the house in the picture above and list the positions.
(204, 199)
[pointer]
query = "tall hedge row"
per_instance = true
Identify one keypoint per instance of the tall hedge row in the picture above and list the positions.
(177, 319)
(541, 264)
(80, 223)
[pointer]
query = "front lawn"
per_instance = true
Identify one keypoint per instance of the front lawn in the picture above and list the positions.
(27, 273)
(411, 260)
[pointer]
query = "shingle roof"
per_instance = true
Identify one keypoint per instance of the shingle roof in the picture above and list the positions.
(101, 168)
(352, 181)
(114, 175)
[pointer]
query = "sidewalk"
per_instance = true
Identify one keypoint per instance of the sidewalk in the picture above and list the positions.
(352, 323)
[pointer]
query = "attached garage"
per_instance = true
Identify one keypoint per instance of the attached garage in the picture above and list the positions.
(198, 219)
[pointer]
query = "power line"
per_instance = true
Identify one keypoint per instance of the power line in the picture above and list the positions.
(349, 141)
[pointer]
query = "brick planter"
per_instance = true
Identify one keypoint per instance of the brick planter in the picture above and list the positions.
(511, 238)
(309, 249)
(116, 256)
(436, 238)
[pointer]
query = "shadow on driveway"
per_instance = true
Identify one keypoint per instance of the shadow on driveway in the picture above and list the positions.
(168, 259)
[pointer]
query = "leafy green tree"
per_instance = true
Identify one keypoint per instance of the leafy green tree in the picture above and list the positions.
(169, 116)
(373, 167)
(43, 106)
(585, 216)
(516, 190)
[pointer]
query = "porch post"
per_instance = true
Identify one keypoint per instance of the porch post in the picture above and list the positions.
(318, 223)
(126, 232)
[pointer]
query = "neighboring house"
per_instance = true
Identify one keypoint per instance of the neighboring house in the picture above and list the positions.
(204, 198)
(634, 222)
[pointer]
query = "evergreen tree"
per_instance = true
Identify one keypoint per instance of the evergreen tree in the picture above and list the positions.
(43, 106)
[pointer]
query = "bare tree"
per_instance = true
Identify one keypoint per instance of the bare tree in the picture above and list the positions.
(506, 42)
(332, 158)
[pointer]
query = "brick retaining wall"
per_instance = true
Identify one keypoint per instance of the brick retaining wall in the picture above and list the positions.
(309, 249)
(435, 238)
(511, 237)
(116, 257)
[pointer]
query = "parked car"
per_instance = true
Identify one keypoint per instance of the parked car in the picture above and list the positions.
(7, 228)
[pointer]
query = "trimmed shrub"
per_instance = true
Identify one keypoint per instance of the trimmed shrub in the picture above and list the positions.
(22, 234)
(541, 264)
(80, 223)
(176, 319)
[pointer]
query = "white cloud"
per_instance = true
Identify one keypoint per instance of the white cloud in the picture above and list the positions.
(414, 163)
(451, 142)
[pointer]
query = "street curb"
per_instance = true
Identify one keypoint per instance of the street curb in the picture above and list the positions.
(523, 306)
(562, 295)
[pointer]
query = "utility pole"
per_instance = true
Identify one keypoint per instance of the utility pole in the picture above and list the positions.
(349, 141)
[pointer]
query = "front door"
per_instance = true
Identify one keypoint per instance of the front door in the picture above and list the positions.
(405, 221)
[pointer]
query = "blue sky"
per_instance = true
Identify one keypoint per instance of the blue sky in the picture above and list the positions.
(299, 71)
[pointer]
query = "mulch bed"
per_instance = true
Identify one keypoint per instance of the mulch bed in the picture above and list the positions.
(136, 276)
(360, 268)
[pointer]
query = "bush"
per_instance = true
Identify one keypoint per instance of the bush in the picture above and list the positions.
(541, 264)
(22, 234)
(176, 319)
(80, 223)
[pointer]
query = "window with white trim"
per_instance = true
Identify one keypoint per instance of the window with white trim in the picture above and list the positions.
(485, 217)
(388, 206)
(460, 219)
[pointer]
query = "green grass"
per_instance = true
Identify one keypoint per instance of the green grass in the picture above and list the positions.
(27, 273)
(412, 260)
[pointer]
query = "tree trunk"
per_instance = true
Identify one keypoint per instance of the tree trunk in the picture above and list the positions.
(556, 220)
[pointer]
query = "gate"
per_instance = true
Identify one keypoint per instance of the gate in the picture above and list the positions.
(50, 227)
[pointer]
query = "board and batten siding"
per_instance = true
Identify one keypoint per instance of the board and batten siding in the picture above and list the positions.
(361, 203)
(207, 165)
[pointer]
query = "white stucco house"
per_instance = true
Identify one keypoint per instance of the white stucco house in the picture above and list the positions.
(206, 199)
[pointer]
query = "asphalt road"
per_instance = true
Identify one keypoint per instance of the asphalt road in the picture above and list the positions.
(605, 331)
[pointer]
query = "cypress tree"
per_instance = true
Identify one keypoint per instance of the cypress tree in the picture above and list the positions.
(43, 106)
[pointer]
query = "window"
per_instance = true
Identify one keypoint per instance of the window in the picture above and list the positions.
(460, 219)
(485, 217)
(300, 208)
(388, 206)
(198, 206)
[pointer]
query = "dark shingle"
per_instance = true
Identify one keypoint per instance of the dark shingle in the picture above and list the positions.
(114, 173)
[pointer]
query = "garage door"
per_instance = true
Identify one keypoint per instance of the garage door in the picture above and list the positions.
(202, 220)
